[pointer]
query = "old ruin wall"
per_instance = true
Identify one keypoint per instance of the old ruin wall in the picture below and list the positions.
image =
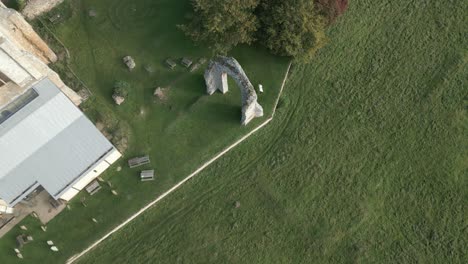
(216, 79)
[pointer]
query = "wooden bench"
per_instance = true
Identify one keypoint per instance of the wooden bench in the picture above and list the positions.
(55, 19)
(171, 64)
(138, 161)
(186, 62)
(93, 187)
(196, 65)
(147, 175)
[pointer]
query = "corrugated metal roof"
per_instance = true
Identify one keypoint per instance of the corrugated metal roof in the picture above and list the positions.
(50, 142)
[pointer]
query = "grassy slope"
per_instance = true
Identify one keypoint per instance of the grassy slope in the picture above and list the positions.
(367, 163)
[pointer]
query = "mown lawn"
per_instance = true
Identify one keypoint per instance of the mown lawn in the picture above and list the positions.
(179, 134)
(366, 162)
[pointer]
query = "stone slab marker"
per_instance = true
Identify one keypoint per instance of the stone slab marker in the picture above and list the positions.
(224, 87)
(216, 79)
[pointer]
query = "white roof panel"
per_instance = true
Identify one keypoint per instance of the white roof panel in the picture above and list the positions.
(49, 142)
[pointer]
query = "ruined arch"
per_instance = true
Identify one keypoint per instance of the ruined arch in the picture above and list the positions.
(216, 79)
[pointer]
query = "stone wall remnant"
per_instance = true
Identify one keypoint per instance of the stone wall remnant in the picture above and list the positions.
(216, 79)
(130, 62)
(118, 99)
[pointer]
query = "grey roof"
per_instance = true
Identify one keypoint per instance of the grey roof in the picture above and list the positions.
(49, 142)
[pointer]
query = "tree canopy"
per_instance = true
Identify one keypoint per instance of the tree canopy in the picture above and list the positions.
(291, 28)
(331, 9)
(286, 27)
(223, 24)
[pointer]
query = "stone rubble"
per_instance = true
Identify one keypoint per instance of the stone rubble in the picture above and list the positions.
(128, 60)
(118, 99)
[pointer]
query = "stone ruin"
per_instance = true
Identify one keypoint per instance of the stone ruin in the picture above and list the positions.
(118, 99)
(161, 93)
(130, 62)
(216, 79)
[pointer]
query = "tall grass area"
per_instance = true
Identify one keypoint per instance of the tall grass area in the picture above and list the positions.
(366, 162)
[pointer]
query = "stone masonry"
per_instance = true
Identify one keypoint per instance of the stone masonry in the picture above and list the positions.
(216, 79)
(24, 57)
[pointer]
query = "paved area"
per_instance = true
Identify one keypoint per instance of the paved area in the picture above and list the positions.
(9, 91)
(39, 204)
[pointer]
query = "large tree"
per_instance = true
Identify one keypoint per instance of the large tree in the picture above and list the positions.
(287, 27)
(223, 24)
(291, 28)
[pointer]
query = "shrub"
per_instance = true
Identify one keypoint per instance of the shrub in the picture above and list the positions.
(291, 28)
(121, 88)
(16, 4)
(20, 4)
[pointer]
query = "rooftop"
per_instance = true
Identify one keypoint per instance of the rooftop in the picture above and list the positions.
(8, 92)
(45, 141)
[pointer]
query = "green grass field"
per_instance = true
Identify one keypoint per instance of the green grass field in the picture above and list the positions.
(179, 134)
(366, 160)
(367, 163)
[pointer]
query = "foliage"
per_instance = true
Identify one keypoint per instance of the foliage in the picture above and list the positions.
(16, 4)
(331, 9)
(288, 28)
(291, 28)
(121, 88)
(222, 24)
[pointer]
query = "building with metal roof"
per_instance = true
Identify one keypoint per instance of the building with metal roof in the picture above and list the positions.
(45, 140)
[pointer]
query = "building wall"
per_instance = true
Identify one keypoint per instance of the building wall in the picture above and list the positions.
(68, 195)
(24, 55)
(19, 31)
(12, 70)
(93, 173)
